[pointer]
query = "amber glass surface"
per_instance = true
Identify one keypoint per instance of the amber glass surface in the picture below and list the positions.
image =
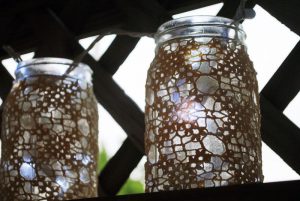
(202, 114)
(49, 139)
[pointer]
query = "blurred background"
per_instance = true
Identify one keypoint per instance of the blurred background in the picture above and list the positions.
(269, 43)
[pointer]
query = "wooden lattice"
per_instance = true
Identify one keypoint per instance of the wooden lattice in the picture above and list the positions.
(42, 26)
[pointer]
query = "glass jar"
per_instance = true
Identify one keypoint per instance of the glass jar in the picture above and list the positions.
(202, 108)
(49, 133)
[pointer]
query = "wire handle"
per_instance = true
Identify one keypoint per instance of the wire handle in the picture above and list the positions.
(11, 52)
(80, 57)
(243, 13)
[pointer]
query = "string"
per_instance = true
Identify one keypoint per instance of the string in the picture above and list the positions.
(243, 13)
(11, 52)
(81, 56)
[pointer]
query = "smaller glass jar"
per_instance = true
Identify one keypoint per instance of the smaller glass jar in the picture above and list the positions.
(49, 133)
(202, 110)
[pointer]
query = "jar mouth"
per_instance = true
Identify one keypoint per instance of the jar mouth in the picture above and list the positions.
(202, 26)
(52, 66)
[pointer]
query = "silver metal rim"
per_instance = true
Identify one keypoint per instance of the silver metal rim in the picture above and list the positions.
(52, 66)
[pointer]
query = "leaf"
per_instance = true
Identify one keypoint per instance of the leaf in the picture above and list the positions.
(131, 187)
(102, 160)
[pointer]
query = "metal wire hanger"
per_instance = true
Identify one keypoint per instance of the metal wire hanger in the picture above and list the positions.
(243, 13)
(11, 52)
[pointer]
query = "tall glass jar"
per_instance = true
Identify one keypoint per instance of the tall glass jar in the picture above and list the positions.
(202, 108)
(49, 133)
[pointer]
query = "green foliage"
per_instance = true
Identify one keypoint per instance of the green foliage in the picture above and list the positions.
(102, 160)
(130, 186)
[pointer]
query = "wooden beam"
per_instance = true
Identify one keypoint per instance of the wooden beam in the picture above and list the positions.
(142, 16)
(229, 8)
(12, 8)
(108, 93)
(285, 83)
(179, 6)
(113, 98)
(22, 40)
(115, 175)
(279, 191)
(100, 22)
(112, 172)
(119, 105)
(52, 40)
(280, 134)
(117, 53)
(118, 169)
(105, 100)
(75, 14)
(6, 82)
(287, 12)
(277, 130)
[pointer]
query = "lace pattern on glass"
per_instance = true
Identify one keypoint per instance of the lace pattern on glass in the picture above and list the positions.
(202, 116)
(49, 140)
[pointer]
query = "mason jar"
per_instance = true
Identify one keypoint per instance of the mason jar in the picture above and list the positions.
(202, 107)
(49, 133)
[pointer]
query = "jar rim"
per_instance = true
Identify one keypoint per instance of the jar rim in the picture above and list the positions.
(47, 60)
(52, 66)
(204, 23)
(197, 20)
